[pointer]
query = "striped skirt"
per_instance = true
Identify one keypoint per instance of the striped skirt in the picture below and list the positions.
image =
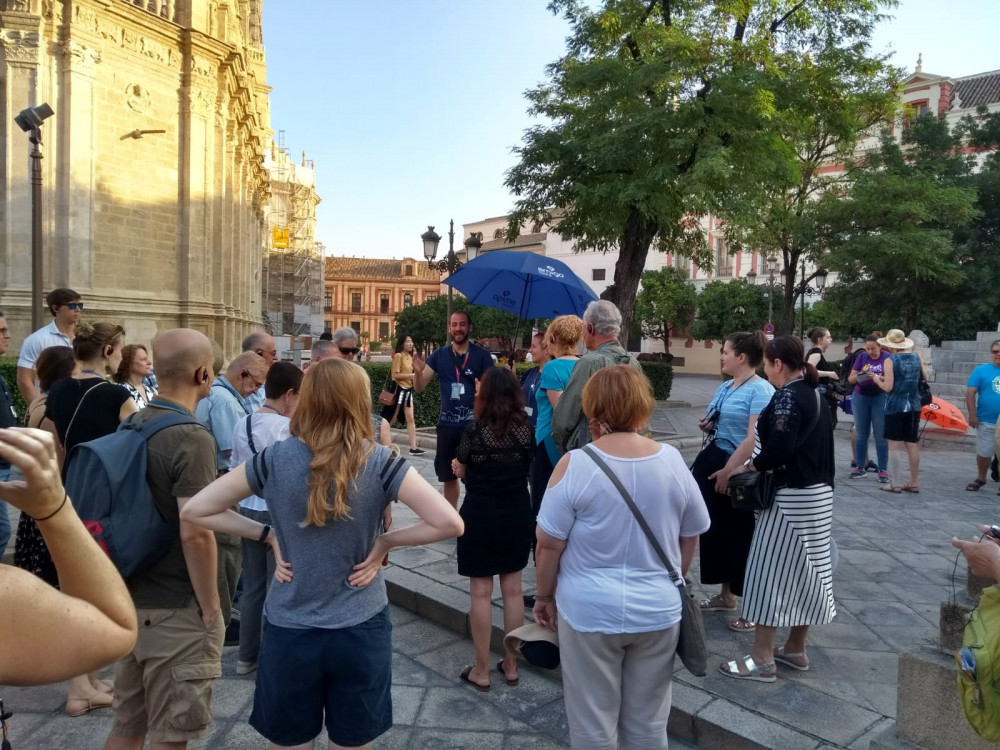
(789, 578)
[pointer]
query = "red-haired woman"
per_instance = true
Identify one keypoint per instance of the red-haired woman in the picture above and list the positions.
(493, 458)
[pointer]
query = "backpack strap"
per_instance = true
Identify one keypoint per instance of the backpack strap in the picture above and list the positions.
(148, 428)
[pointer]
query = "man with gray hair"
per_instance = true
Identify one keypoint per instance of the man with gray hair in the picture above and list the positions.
(262, 344)
(602, 324)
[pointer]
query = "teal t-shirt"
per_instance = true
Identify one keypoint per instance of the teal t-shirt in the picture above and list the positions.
(986, 379)
(555, 376)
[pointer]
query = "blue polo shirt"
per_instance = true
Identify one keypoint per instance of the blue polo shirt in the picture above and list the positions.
(457, 376)
(219, 412)
(986, 379)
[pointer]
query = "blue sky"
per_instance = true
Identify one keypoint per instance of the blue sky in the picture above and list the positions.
(410, 108)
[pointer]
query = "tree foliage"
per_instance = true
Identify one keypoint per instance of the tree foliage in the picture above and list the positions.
(427, 323)
(663, 111)
(893, 235)
(727, 306)
(667, 301)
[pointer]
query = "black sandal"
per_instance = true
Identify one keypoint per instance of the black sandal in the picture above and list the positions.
(975, 485)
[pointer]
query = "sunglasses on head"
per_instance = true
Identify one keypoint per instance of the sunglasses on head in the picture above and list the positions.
(349, 349)
(74, 305)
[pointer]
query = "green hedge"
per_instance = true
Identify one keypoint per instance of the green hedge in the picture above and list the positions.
(8, 369)
(427, 405)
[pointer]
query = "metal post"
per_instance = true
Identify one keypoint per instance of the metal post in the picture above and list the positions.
(36, 228)
(802, 305)
(770, 297)
(451, 269)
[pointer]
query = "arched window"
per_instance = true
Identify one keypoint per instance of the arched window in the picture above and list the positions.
(498, 234)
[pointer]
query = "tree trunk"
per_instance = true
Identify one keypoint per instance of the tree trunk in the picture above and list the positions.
(633, 249)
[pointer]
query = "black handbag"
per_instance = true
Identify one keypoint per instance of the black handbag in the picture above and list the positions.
(755, 490)
(691, 647)
(924, 389)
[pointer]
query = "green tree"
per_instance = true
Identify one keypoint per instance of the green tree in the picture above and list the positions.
(425, 323)
(892, 236)
(663, 111)
(666, 302)
(727, 306)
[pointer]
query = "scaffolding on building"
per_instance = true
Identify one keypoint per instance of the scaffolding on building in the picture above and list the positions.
(293, 261)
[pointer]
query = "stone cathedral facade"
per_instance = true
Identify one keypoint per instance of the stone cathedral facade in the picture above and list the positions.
(154, 180)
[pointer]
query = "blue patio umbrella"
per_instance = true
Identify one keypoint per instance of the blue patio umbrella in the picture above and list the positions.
(526, 284)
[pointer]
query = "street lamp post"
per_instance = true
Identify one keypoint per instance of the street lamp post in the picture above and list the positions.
(449, 263)
(30, 121)
(769, 265)
(803, 289)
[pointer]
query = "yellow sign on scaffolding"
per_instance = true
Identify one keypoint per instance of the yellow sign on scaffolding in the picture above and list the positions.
(279, 237)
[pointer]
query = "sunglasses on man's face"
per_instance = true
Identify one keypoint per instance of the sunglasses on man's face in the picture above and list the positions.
(74, 305)
(352, 350)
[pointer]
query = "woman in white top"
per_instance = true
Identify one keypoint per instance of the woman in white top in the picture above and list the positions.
(266, 426)
(618, 611)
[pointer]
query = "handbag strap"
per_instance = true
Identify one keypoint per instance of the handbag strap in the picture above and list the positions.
(678, 581)
(77, 409)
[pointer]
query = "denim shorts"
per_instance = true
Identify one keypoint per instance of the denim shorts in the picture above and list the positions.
(345, 674)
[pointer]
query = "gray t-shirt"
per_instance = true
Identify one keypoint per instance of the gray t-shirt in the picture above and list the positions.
(322, 558)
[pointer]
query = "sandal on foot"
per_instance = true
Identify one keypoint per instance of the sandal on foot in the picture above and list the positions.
(797, 661)
(506, 679)
(743, 625)
(890, 488)
(911, 489)
(464, 677)
(86, 705)
(753, 670)
(717, 603)
(975, 485)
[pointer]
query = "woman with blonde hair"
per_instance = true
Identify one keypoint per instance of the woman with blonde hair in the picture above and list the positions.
(562, 343)
(619, 611)
(326, 651)
(132, 372)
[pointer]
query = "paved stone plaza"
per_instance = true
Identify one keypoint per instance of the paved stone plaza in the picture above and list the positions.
(895, 569)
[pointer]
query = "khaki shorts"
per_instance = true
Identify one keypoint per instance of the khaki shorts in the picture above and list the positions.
(163, 689)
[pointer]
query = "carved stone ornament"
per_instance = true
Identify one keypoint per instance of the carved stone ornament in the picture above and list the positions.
(137, 97)
(80, 58)
(19, 6)
(20, 47)
(202, 67)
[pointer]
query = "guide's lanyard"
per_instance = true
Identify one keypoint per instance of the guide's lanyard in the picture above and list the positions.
(454, 359)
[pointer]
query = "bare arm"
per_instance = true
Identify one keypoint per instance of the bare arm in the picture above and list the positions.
(26, 384)
(92, 603)
(127, 409)
(970, 405)
(548, 553)
(438, 520)
(814, 359)
(736, 461)
(553, 397)
(201, 555)
(688, 545)
(384, 433)
(886, 380)
(422, 374)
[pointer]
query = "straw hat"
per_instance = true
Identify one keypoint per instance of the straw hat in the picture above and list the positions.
(537, 644)
(895, 339)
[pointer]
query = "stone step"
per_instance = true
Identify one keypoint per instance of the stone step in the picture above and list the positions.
(955, 355)
(950, 378)
(989, 337)
(962, 346)
(944, 440)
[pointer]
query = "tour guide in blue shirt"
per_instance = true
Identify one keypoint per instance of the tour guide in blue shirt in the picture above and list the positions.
(458, 368)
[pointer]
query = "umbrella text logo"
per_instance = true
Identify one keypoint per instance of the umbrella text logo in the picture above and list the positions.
(550, 272)
(504, 300)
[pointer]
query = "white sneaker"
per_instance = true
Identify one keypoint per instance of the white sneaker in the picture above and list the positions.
(245, 667)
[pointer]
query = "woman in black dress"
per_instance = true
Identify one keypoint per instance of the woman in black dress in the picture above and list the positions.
(82, 407)
(828, 377)
(493, 460)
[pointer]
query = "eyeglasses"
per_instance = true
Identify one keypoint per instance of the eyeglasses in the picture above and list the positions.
(261, 352)
(994, 352)
(256, 383)
(74, 305)
(4, 332)
(349, 349)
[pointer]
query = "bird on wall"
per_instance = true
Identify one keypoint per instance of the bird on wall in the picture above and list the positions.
(137, 134)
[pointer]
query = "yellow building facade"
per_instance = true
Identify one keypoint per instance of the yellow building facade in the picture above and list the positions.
(366, 293)
(154, 179)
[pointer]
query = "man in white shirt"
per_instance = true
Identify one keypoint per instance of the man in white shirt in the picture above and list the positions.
(251, 435)
(66, 307)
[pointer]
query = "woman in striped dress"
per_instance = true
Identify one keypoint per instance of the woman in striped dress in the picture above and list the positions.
(789, 578)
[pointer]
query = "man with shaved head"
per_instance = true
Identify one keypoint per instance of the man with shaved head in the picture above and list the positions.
(177, 599)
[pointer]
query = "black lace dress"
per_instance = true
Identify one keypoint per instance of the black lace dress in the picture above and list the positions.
(497, 512)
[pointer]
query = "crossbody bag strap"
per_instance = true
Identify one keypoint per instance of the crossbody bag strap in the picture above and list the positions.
(77, 410)
(678, 581)
(253, 448)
